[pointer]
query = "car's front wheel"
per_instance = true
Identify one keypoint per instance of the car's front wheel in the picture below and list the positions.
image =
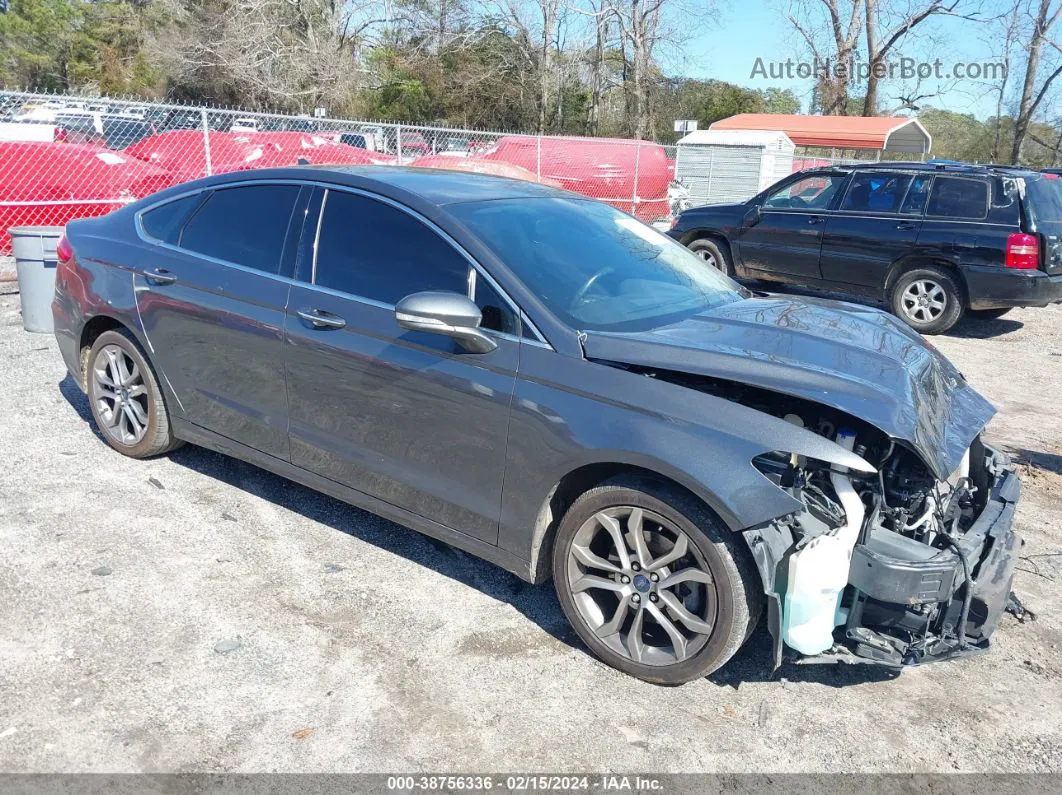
(713, 255)
(929, 299)
(653, 582)
(125, 397)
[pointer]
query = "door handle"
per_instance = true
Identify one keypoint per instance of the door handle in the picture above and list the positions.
(816, 219)
(160, 276)
(905, 225)
(318, 318)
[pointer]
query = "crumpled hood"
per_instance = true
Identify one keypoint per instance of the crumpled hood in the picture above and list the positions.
(852, 358)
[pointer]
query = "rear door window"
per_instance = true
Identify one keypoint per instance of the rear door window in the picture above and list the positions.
(914, 203)
(876, 192)
(955, 197)
(245, 225)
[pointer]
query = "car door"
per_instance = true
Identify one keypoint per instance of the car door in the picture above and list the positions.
(783, 238)
(212, 294)
(876, 224)
(406, 417)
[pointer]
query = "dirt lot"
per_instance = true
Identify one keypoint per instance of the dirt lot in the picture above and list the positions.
(194, 613)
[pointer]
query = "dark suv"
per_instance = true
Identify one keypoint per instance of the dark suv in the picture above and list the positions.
(933, 241)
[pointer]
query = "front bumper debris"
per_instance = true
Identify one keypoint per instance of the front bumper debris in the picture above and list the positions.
(905, 600)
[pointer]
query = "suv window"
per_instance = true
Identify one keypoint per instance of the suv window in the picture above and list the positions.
(370, 249)
(953, 197)
(164, 222)
(814, 192)
(915, 201)
(876, 192)
(244, 225)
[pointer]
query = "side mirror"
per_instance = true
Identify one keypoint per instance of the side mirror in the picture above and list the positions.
(449, 314)
(753, 216)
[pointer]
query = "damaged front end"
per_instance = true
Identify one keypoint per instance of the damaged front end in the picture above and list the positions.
(896, 568)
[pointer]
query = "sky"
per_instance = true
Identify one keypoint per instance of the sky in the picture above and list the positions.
(746, 29)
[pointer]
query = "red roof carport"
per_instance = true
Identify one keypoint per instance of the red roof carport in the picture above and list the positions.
(882, 133)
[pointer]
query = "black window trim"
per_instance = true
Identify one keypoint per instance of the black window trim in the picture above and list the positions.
(539, 338)
(475, 267)
(958, 219)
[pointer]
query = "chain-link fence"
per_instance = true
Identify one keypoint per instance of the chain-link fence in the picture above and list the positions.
(66, 157)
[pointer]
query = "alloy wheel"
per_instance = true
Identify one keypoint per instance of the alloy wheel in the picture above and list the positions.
(924, 300)
(121, 396)
(708, 257)
(642, 587)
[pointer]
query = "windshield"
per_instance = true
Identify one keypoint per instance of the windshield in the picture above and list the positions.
(594, 267)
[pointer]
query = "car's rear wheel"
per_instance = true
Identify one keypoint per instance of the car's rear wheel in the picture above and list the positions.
(928, 299)
(713, 255)
(653, 582)
(987, 314)
(125, 398)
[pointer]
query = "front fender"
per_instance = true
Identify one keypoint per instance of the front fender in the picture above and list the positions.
(568, 413)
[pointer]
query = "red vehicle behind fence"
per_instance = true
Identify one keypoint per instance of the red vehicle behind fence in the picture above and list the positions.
(48, 184)
(630, 176)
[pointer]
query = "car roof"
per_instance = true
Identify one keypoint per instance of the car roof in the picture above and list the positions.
(431, 185)
(950, 167)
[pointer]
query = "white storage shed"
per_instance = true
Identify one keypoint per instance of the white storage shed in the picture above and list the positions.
(731, 165)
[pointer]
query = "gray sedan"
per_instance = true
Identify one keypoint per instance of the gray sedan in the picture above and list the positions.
(546, 382)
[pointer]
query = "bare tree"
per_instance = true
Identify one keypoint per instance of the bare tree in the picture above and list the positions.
(832, 43)
(878, 49)
(1047, 14)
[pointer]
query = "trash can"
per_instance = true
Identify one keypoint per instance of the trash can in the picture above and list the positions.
(35, 262)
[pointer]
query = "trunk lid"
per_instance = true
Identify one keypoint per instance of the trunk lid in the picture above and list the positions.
(1044, 198)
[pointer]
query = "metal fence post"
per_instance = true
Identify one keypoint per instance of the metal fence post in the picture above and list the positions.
(398, 142)
(206, 141)
(634, 187)
(538, 158)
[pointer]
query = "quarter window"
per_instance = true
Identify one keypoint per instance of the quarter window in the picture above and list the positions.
(164, 223)
(245, 225)
(372, 250)
(497, 314)
(952, 197)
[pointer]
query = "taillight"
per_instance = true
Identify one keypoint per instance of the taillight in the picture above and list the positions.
(1023, 251)
(63, 251)
(58, 135)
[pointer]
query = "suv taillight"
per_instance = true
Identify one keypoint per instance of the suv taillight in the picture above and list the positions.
(1023, 251)
(58, 135)
(63, 251)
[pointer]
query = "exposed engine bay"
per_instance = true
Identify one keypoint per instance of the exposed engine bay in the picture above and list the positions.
(895, 566)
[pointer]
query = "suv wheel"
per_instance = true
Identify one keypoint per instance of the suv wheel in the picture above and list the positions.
(928, 299)
(125, 397)
(713, 255)
(653, 582)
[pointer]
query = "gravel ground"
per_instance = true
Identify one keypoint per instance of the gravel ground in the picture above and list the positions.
(194, 613)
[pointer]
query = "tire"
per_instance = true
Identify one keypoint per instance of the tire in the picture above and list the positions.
(987, 314)
(722, 612)
(713, 254)
(943, 304)
(142, 430)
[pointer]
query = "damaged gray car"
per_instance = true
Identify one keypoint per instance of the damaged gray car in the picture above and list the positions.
(546, 382)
